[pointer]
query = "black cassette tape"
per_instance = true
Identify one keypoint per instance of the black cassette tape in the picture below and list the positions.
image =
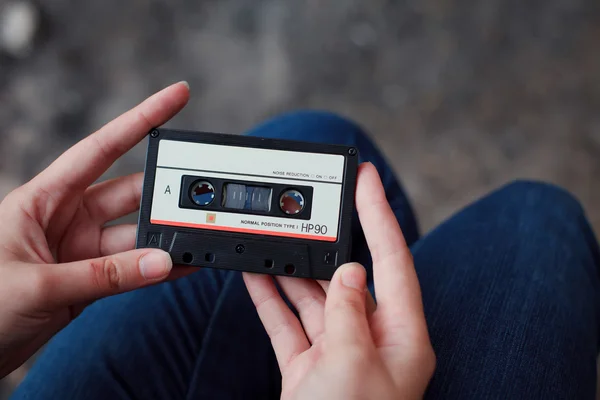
(248, 204)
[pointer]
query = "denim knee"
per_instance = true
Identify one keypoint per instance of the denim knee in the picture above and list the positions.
(542, 205)
(541, 197)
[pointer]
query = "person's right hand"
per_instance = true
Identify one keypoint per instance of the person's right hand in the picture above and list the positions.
(342, 348)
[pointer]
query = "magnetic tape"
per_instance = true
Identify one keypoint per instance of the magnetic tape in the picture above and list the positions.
(245, 203)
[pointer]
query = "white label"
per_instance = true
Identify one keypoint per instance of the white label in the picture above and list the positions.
(263, 166)
(251, 161)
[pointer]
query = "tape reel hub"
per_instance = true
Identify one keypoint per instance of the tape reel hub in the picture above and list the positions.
(292, 202)
(202, 193)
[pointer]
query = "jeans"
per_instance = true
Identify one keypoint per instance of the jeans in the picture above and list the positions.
(510, 289)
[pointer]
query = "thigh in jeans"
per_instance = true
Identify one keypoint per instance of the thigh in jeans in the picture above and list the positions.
(511, 294)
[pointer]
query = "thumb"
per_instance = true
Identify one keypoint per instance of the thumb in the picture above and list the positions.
(345, 308)
(88, 280)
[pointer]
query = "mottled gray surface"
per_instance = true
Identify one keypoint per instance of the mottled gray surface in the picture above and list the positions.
(462, 96)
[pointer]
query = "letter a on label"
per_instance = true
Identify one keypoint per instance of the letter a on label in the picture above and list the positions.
(168, 190)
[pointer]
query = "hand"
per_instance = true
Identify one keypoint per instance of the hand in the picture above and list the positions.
(343, 348)
(56, 255)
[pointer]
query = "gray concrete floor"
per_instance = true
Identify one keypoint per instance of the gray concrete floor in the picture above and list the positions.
(461, 96)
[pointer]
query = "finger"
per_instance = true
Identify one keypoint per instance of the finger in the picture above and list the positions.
(114, 199)
(85, 162)
(85, 281)
(396, 284)
(121, 238)
(117, 239)
(371, 305)
(282, 326)
(309, 299)
(345, 308)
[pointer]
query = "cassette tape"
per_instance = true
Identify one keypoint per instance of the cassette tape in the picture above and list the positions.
(248, 204)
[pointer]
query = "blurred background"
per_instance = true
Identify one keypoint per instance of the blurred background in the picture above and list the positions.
(461, 95)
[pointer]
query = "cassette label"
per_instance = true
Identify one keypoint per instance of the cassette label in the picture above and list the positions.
(292, 170)
(251, 161)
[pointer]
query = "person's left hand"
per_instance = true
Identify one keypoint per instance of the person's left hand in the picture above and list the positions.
(56, 254)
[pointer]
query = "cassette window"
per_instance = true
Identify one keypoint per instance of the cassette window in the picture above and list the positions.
(238, 196)
(278, 200)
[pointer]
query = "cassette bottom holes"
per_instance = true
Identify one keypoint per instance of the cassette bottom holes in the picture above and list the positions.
(219, 251)
(290, 269)
(188, 257)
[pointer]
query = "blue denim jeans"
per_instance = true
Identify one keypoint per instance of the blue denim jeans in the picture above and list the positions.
(510, 288)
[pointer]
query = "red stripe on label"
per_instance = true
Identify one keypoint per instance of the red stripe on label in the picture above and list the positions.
(244, 230)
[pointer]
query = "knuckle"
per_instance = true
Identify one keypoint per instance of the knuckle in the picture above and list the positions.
(145, 119)
(424, 356)
(278, 329)
(265, 301)
(13, 196)
(39, 283)
(397, 255)
(429, 361)
(308, 302)
(36, 203)
(106, 273)
(17, 199)
(103, 148)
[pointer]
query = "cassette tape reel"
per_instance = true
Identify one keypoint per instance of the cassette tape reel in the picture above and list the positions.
(249, 204)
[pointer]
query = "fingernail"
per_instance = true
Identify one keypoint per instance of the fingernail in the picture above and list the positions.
(353, 277)
(155, 265)
(185, 83)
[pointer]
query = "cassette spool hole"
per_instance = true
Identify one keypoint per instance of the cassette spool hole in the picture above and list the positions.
(292, 202)
(290, 269)
(202, 193)
(187, 258)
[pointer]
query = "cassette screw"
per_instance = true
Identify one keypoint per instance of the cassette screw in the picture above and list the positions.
(240, 248)
(352, 151)
(154, 133)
